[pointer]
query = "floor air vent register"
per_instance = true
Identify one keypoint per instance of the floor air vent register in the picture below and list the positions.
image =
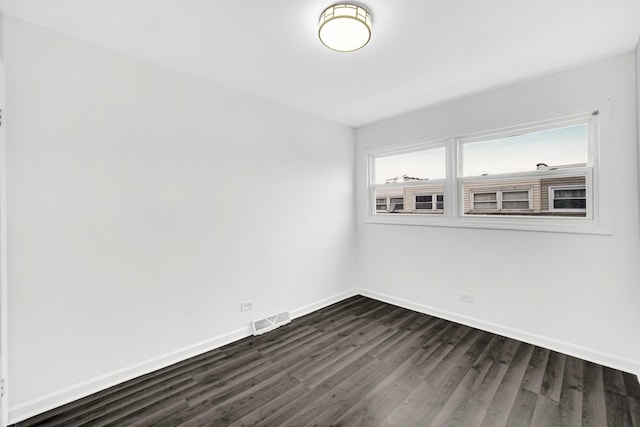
(270, 323)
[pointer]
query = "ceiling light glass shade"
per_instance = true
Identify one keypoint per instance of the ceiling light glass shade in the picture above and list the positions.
(345, 27)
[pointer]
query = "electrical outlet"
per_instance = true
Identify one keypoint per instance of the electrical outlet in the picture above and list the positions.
(464, 297)
(246, 305)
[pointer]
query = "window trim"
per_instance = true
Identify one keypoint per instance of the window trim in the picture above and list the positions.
(598, 219)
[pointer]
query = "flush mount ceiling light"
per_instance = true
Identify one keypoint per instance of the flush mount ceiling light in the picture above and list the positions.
(345, 27)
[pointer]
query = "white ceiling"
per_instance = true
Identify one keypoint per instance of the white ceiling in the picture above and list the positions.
(422, 52)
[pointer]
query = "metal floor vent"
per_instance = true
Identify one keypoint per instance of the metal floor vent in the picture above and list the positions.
(270, 323)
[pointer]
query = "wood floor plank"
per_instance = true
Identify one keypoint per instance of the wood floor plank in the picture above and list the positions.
(632, 388)
(499, 409)
(262, 413)
(459, 409)
(341, 397)
(318, 371)
(594, 412)
(535, 371)
(551, 385)
(634, 409)
(616, 402)
(127, 406)
(618, 413)
(451, 351)
(309, 398)
(472, 410)
(524, 405)
(613, 381)
(174, 418)
(349, 398)
(373, 409)
(364, 363)
(456, 366)
(571, 394)
(232, 409)
(546, 412)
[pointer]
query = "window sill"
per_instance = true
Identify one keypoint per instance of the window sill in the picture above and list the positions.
(545, 224)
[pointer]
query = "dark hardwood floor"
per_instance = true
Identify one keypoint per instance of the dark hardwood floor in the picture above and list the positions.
(365, 363)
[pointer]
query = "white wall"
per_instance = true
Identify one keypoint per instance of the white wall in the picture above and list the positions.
(638, 103)
(145, 205)
(572, 292)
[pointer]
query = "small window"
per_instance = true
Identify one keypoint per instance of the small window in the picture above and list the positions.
(396, 204)
(484, 201)
(500, 201)
(429, 202)
(568, 199)
(515, 200)
(408, 182)
(424, 202)
(390, 204)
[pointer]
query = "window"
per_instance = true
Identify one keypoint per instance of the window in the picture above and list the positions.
(409, 181)
(484, 201)
(568, 199)
(429, 202)
(500, 201)
(513, 172)
(396, 204)
(539, 176)
(516, 200)
(390, 204)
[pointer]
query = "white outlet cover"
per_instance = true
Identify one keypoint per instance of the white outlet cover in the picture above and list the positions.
(464, 297)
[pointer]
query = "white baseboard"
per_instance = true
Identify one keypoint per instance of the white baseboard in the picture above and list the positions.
(310, 308)
(38, 405)
(591, 355)
(22, 411)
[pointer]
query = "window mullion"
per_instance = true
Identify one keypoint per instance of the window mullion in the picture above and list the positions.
(451, 191)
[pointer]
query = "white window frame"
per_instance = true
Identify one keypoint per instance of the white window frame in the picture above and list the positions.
(555, 188)
(598, 216)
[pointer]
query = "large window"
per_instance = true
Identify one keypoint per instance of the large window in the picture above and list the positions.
(530, 176)
(539, 158)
